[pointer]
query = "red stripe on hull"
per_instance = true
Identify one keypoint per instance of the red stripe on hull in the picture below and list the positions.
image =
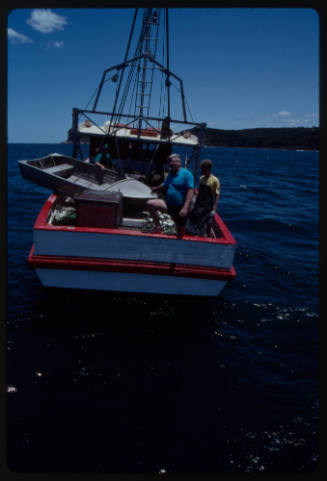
(135, 267)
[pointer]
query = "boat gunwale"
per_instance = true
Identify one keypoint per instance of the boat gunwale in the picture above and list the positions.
(81, 166)
(42, 224)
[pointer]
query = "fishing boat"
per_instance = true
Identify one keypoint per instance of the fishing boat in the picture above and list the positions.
(94, 231)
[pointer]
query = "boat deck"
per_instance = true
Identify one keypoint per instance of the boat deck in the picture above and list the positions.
(137, 224)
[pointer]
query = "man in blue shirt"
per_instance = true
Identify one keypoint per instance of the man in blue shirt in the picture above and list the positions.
(179, 188)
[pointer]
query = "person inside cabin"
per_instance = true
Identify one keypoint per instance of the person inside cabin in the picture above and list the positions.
(179, 188)
(103, 158)
(206, 202)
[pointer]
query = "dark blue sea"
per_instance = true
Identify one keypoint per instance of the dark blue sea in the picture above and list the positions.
(106, 382)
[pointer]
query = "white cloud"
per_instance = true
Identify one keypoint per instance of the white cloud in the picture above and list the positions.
(55, 44)
(46, 21)
(16, 37)
(58, 44)
(282, 113)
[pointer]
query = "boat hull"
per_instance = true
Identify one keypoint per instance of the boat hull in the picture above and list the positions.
(97, 277)
(105, 259)
(118, 282)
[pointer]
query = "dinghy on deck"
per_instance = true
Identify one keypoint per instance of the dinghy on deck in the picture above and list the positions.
(63, 174)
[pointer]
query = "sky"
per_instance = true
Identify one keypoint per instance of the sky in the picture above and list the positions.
(241, 67)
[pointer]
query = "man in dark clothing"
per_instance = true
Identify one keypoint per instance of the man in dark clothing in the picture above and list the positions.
(206, 202)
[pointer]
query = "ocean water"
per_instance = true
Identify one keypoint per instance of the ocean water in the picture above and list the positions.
(100, 382)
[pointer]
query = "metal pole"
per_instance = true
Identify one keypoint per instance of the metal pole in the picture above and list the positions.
(167, 79)
(75, 129)
(99, 90)
(145, 58)
(183, 100)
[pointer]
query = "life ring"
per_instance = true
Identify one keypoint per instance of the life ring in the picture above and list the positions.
(145, 132)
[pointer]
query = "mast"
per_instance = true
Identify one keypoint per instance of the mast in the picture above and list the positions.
(167, 79)
(144, 86)
(141, 67)
(136, 78)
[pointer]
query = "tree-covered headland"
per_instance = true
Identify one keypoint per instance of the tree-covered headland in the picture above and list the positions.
(303, 138)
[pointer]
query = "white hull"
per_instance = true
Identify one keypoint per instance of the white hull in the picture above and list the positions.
(132, 246)
(128, 282)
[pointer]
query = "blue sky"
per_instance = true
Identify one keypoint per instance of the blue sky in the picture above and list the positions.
(241, 68)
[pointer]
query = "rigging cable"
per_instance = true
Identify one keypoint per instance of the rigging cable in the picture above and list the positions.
(136, 65)
(167, 79)
(179, 90)
(131, 73)
(95, 91)
(137, 80)
(162, 103)
(123, 68)
(132, 95)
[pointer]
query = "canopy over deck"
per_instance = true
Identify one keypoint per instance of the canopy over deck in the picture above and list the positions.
(184, 138)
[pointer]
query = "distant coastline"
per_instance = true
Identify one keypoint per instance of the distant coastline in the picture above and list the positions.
(299, 138)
